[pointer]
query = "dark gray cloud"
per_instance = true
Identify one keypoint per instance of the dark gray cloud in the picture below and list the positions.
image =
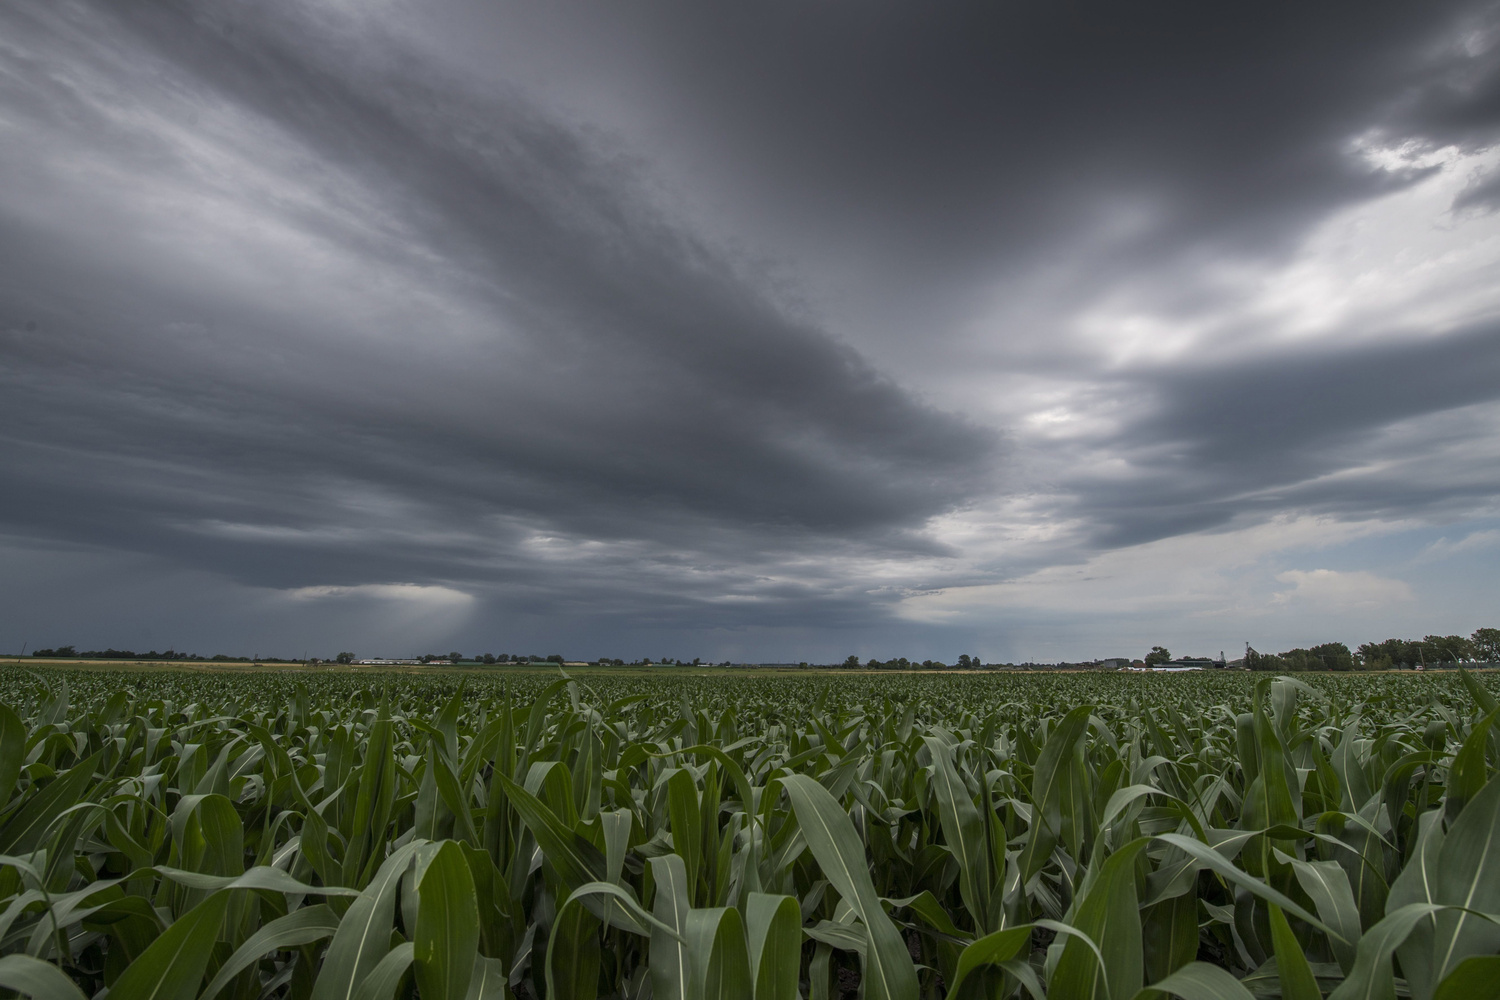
(661, 321)
(1265, 435)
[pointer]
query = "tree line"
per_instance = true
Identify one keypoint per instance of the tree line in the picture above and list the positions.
(1482, 646)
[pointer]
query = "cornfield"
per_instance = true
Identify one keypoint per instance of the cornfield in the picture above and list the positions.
(170, 836)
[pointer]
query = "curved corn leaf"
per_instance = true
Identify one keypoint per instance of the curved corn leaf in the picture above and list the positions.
(721, 967)
(964, 833)
(172, 967)
(1198, 981)
(1108, 917)
(671, 959)
(573, 955)
(575, 859)
(386, 976)
(1297, 980)
(1047, 790)
(25, 831)
(447, 932)
(303, 926)
(773, 926)
(888, 970)
(1475, 978)
(363, 937)
(37, 979)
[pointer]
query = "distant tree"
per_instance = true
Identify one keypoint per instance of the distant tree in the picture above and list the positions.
(963, 661)
(455, 656)
(1298, 660)
(1447, 648)
(345, 658)
(1486, 644)
(697, 662)
(851, 662)
(1388, 654)
(1158, 656)
(1333, 656)
(556, 658)
(489, 658)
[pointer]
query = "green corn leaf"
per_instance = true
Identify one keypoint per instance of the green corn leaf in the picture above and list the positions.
(1468, 875)
(1469, 772)
(386, 976)
(1297, 980)
(1003, 946)
(992, 949)
(671, 960)
(1277, 800)
(1372, 977)
(1108, 915)
(453, 797)
(1121, 799)
(1209, 858)
(374, 797)
(844, 937)
(1047, 790)
(926, 906)
(1169, 935)
(573, 955)
(447, 931)
(1327, 885)
(363, 937)
(12, 751)
(172, 967)
(888, 970)
(488, 980)
(303, 926)
(209, 835)
(27, 829)
(1198, 981)
(686, 813)
(575, 859)
(1475, 978)
(618, 825)
(37, 979)
(1478, 692)
(1418, 883)
(722, 967)
(964, 832)
(773, 926)
(819, 972)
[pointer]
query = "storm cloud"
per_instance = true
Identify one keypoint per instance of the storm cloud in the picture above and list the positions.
(737, 331)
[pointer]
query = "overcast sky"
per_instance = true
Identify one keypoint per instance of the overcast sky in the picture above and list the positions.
(766, 331)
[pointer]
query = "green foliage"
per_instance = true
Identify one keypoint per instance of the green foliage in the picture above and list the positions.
(311, 837)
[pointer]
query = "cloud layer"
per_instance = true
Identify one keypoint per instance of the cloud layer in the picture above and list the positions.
(740, 333)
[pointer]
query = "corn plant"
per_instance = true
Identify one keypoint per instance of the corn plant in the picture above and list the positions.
(175, 836)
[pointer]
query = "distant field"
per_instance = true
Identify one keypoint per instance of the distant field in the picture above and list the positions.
(216, 830)
(467, 669)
